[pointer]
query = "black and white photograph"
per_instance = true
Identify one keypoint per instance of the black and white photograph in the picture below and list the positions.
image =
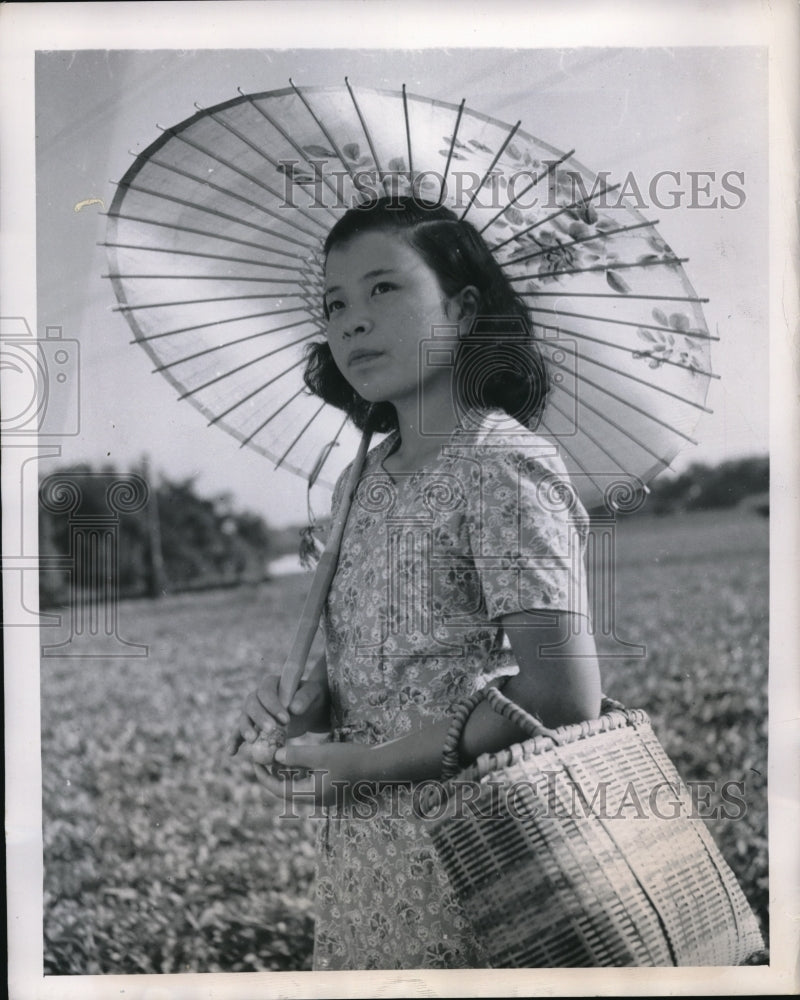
(399, 440)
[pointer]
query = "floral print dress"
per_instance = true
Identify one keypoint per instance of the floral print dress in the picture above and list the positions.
(430, 561)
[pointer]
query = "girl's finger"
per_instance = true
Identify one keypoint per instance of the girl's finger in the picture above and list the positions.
(303, 699)
(247, 730)
(261, 753)
(265, 715)
(267, 698)
(242, 733)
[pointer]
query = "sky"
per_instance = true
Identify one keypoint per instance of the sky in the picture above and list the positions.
(624, 110)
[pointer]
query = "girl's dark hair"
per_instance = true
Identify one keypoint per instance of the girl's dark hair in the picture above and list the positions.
(498, 363)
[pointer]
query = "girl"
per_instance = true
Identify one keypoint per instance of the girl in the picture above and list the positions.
(463, 531)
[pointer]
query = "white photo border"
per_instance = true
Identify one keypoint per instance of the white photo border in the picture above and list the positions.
(25, 28)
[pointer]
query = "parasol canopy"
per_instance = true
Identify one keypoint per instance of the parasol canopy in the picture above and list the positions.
(214, 245)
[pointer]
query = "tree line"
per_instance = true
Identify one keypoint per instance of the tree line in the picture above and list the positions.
(180, 540)
(177, 540)
(704, 487)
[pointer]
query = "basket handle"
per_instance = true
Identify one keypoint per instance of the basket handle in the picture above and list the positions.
(533, 727)
(504, 706)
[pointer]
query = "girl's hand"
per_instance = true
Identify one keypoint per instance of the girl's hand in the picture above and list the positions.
(330, 764)
(264, 715)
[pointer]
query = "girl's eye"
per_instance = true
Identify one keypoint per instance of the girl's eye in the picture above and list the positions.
(335, 306)
(382, 287)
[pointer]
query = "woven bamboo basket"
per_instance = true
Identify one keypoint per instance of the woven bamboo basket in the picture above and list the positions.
(581, 847)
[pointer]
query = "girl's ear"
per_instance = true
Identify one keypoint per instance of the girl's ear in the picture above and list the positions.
(466, 302)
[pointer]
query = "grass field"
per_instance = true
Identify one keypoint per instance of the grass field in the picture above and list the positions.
(162, 855)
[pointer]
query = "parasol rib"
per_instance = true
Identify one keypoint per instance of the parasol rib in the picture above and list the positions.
(205, 182)
(621, 347)
(245, 364)
(615, 295)
(300, 433)
(325, 132)
(317, 202)
(543, 426)
(625, 402)
(408, 136)
(564, 346)
(554, 215)
(615, 266)
(552, 165)
(237, 170)
(612, 423)
(272, 416)
(217, 212)
(626, 322)
(219, 298)
(256, 149)
(173, 226)
(261, 279)
(220, 322)
(298, 149)
(488, 172)
(208, 256)
(571, 243)
(255, 392)
(229, 343)
(450, 151)
(619, 467)
(366, 132)
(219, 347)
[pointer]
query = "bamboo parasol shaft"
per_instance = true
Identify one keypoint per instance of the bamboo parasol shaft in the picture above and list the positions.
(326, 567)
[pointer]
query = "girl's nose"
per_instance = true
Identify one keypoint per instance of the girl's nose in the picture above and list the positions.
(357, 325)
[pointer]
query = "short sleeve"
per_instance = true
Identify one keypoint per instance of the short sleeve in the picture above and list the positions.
(527, 531)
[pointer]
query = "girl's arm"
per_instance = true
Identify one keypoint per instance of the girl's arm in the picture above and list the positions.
(558, 689)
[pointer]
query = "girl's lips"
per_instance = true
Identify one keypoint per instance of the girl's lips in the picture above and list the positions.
(363, 355)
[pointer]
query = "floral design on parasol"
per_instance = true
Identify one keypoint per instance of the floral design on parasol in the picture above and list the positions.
(214, 242)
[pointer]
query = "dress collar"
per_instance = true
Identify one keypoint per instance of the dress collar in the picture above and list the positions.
(474, 419)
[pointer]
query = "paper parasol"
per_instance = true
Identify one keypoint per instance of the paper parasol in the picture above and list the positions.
(214, 243)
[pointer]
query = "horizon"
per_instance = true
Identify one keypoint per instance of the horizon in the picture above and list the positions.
(322, 518)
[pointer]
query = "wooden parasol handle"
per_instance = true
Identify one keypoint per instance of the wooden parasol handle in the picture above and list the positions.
(326, 567)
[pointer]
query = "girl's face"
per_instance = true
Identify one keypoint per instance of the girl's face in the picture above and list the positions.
(383, 300)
